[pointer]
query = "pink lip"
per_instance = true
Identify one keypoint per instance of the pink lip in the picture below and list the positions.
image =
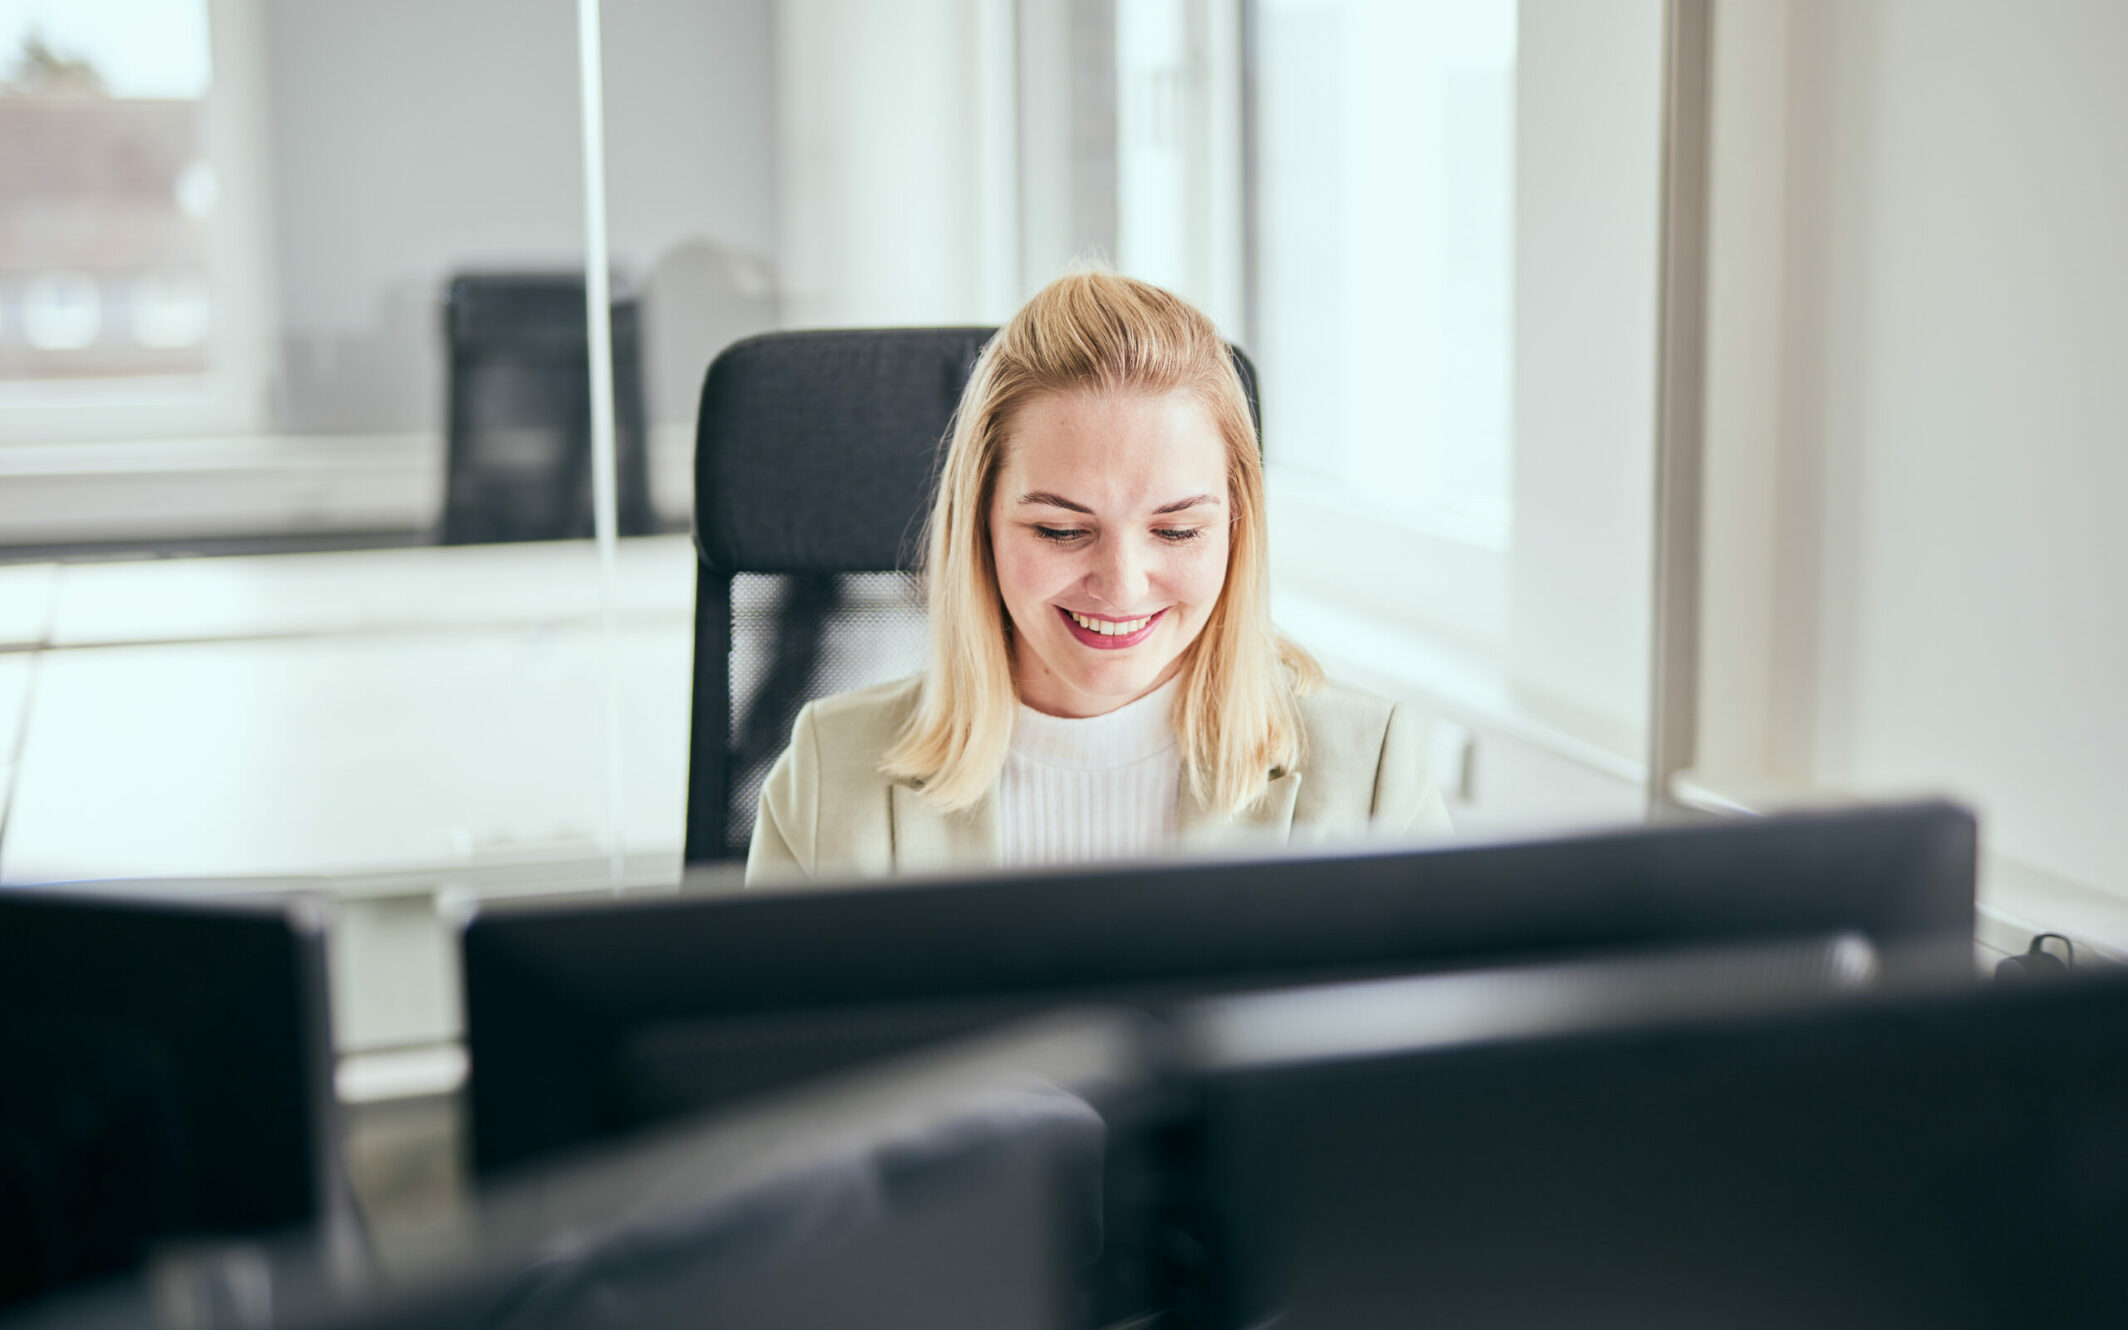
(1102, 642)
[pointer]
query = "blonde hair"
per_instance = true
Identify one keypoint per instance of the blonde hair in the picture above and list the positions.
(1237, 716)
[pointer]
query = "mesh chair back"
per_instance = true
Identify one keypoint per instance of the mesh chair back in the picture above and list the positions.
(520, 411)
(814, 460)
(815, 457)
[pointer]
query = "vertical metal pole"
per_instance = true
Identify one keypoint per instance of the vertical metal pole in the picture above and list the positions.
(598, 318)
(1680, 416)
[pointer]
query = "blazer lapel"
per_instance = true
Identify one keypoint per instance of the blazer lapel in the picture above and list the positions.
(927, 840)
(1269, 818)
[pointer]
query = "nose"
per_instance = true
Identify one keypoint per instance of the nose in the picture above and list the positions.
(1118, 577)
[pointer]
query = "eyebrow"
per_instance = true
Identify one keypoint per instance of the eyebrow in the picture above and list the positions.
(1051, 500)
(1179, 505)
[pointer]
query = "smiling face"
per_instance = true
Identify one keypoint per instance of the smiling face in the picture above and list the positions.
(1108, 523)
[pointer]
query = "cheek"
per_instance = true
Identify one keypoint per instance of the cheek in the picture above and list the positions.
(1026, 571)
(1199, 573)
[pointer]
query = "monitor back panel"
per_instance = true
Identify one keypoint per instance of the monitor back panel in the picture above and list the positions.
(1953, 1163)
(591, 1019)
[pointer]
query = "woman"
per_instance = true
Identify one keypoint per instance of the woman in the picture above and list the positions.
(1105, 681)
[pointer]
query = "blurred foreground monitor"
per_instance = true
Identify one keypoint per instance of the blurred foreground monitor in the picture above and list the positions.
(1668, 1144)
(588, 1020)
(165, 1077)
(960, 1191)
(1771, 1132)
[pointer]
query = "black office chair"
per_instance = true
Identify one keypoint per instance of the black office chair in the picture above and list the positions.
(815, 456)
(519, 458)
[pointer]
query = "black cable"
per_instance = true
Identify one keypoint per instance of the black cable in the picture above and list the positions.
(2037, 962)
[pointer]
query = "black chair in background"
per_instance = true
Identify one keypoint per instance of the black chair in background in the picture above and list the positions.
(815, 455)
(519, 465)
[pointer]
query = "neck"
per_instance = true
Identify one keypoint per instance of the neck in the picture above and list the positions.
(1037, 690)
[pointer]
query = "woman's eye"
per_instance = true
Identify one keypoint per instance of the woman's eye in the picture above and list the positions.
(1061, 535)
(1178, 534)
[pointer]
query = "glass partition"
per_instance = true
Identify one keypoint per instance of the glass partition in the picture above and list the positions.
(297, 590)
(287, 291)
(294, 391)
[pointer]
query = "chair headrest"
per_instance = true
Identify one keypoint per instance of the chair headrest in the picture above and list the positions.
(815, 451)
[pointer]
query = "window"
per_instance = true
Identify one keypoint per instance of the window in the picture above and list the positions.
(107, 194)
(1380, 270)
(127, 273)
(1383, 272)
(1178, 152)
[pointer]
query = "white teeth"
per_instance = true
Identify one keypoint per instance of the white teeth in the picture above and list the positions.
(1108, 629)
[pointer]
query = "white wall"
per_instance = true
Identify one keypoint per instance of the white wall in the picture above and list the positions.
(1948, 604)
(691, 181)
(1587, 143)
(896, 138)
(413, 138)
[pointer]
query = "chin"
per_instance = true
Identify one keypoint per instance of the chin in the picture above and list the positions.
(1097, 680)
(1119, 684)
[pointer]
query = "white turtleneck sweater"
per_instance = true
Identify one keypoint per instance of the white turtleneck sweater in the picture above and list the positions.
(1075, 791)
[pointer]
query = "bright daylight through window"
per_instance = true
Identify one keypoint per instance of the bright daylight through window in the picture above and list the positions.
(106, 194)
(1383, 198)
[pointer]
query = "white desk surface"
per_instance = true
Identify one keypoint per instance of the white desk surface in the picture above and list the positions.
(18, 670)
(345, 755)
(17, 673)
(280, 595)
(26, 603)
(406, 713)
(392, 727)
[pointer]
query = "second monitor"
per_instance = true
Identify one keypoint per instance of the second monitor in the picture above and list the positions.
(584, 1021)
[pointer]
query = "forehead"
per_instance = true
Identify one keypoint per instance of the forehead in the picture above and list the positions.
(1115, 448)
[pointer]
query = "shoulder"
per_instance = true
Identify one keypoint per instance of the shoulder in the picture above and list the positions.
(859, 726)
(1341, 721)
(824, 803)
(1363, 757)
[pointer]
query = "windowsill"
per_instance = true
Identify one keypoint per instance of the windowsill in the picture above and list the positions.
(246, 485)
(2018, 901)
(255, 485)
(1465, 684)
(2015, 900)
(1471, 687)
(1351, 549)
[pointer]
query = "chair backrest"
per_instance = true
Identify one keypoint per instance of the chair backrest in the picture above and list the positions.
(815, 457)
(519, 465)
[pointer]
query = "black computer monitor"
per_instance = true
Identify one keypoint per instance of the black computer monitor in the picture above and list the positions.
(1615, 1153)
(165, 1074)
(962, 1188)
(590, 1019)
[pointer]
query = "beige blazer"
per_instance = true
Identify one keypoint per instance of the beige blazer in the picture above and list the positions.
(827, 812)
